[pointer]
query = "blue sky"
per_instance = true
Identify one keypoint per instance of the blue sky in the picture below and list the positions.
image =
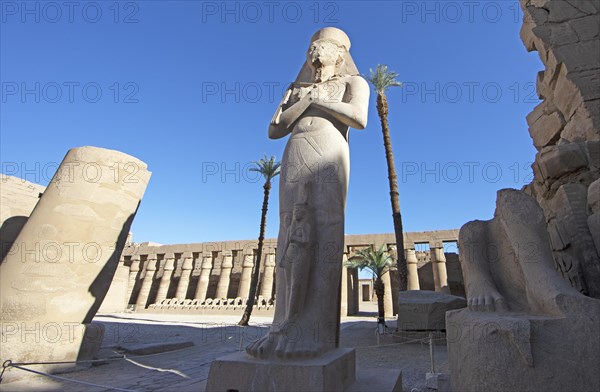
(189, 87)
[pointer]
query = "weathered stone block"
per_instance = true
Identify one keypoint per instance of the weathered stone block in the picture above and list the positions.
(519, 352)
(569, 97)
(592, 149)
(586, 28)
(560, 11)
(334, 371)
(556, 34)
(581, 56)
(546, 130)
(420, 310)
(556, 161)
(581, 126)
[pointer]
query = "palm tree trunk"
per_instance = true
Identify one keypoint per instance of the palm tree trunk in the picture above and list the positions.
(382, 109)
(256, 273)
(380, 292)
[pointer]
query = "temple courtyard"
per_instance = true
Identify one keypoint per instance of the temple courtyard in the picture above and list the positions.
(186, 369)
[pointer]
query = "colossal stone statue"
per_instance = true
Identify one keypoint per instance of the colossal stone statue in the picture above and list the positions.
(327, 98)
(525, 328)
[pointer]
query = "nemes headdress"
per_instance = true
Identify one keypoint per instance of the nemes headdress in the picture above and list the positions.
(347, 67)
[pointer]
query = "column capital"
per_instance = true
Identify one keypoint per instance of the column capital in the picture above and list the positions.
(207, 261)
(135, 265)
(188, 262)
(169, 264)
(270, 260)
(248, 261)
(227, 259)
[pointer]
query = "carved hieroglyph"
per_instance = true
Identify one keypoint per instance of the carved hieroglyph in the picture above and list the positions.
(61, 264)
(328, 97)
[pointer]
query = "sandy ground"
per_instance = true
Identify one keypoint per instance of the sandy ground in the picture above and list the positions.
(213, 336)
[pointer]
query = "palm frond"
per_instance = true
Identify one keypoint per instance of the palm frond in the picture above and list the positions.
(268, 167)
(377, 261)
(382, 79)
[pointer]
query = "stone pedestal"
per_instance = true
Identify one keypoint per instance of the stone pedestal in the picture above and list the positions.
(519, 352)
(334, 371)
(422, 310)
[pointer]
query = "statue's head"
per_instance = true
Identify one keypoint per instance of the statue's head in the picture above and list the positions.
(328, 47)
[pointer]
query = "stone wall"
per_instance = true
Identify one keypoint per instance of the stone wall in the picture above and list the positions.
(565, 129)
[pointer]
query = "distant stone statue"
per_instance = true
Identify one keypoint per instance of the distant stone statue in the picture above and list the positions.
(327, 98)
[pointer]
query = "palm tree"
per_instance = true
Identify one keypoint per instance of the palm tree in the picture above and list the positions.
(269, 168)
(382, 79)
(379, 262)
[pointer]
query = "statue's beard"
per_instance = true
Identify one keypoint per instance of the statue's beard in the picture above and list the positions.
(323, 73)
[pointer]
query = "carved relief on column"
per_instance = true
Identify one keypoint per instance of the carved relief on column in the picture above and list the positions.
(266, 290)
(186, 271)
(413, 271)
(134, 270)
(147, 282)
(165, 280)
(224, 276)
(246, 278)
(438, 265)
(202, 287)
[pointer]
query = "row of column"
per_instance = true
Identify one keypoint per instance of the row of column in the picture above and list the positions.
(437, 257)
(203, 280)
(438, 265)
(440, 275)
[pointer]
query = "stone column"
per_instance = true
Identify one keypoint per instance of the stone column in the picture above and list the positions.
(165, 280)
(413, 271)
(186, 272)
(203, 280)
(388, 300)
(438, 265)
(147, 282)
(266, 289)
(134, 269)
(344, 308)
(63, 260)
(225, 275)
(246, 278)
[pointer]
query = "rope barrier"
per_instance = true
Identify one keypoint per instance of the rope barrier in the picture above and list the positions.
(19, 365)
(71, 380)
(177, 372)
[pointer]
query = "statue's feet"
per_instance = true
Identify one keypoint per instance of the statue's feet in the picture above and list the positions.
(263, 347)
(297, 341)
(486, 300)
